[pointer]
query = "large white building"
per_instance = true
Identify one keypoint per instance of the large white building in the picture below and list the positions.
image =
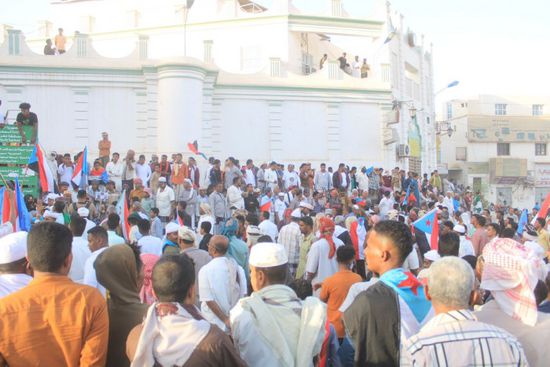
(242, 79)
(499, 146)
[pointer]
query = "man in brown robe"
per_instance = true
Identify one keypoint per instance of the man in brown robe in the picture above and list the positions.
(174, 333)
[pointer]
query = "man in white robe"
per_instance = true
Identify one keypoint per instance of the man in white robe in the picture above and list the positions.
(273, 327)
(221, 284)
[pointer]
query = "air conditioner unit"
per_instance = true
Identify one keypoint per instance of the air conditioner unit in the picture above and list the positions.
(402, 150)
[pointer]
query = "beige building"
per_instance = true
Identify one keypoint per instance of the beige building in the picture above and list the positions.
(499, 146)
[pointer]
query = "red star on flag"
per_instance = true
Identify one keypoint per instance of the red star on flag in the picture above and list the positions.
(410, 282)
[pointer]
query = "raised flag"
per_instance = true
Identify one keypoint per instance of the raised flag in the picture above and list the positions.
(391, 32)
(5, 205)
(122, 210)
(179, 219)
(104, 177)
(370, 170)
(429, 224)
(39, 163)
(194, 148)
(81, 169)
(543, 212)
(22, 216)
(523, 220)
(409, 197)
(265, 204)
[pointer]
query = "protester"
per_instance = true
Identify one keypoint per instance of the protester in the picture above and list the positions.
(79, 249)
(174, 333)
(188, 246)
(57, 322)
(290, 237)
(398, 296)
(321, 258)
(335, 288)
(452, 336)
(98, 241)
(221, 284)
(14, 266)
(273, 327)
(511, 272)
(118, 269)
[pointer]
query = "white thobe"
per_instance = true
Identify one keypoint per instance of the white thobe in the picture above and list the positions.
(150, 245)
(114, 170)
(81, 253)
(89, 272)
(215, 284)
(269, 228)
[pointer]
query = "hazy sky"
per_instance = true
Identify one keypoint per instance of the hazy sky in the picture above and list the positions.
(490, 46)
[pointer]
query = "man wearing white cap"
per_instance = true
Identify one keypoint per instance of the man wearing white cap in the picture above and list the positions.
(170, 245)
(279, 208)
(84, 213)
(165, 200)
(13, 263)
(290, 236)
(466, 247)
(306, 207)
(273, 327)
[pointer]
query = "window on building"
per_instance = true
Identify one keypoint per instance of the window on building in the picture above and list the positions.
(461, 153)
(537, 110)
(503, 148)
(540, 149)
(449, 111)
(500, 109)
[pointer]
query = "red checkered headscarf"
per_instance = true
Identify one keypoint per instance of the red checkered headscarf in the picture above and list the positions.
(326, 228)
(511, 272)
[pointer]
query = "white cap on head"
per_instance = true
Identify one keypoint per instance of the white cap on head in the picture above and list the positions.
(172, 227)
(6, 229)
(13, 247)
(432, 255)
(459, 228)
(83, 212)
(267, 255)
(143, 216)
(50, 214)
(296, 213)
(162, 179)
(305, 204)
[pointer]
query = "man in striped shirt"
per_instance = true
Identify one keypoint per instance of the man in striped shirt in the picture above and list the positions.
(454, 337)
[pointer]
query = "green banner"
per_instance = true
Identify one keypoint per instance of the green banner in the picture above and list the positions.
(15, 155)
(26, 176)
(10, 134)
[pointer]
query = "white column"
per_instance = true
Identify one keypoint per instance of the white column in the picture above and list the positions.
(180, 94)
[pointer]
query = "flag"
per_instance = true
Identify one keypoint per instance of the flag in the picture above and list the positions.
(453, 84)
(543, 212)
(5, 205)
(522, 221)
(122, 210)
(391, 32)
(81, 169)
(370, 170)
(39, 163)
(265, 204)
(179, 220)
(22, 216)
(429, 224)
(104, 177)
(409, 197)
(194, 148)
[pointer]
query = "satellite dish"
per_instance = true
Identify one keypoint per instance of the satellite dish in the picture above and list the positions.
(189, 3)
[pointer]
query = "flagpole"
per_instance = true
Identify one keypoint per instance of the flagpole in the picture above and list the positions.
(5, 182)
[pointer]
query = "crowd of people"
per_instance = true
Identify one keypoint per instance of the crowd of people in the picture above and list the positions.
(269, 265)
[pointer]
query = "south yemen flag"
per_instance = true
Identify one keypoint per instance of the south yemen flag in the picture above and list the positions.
(429, 224)
(38, 163)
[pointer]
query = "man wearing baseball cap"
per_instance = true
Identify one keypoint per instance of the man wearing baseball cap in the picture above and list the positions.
(14, 270)
(273, 327)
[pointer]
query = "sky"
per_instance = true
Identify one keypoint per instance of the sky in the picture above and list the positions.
(490, 46)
